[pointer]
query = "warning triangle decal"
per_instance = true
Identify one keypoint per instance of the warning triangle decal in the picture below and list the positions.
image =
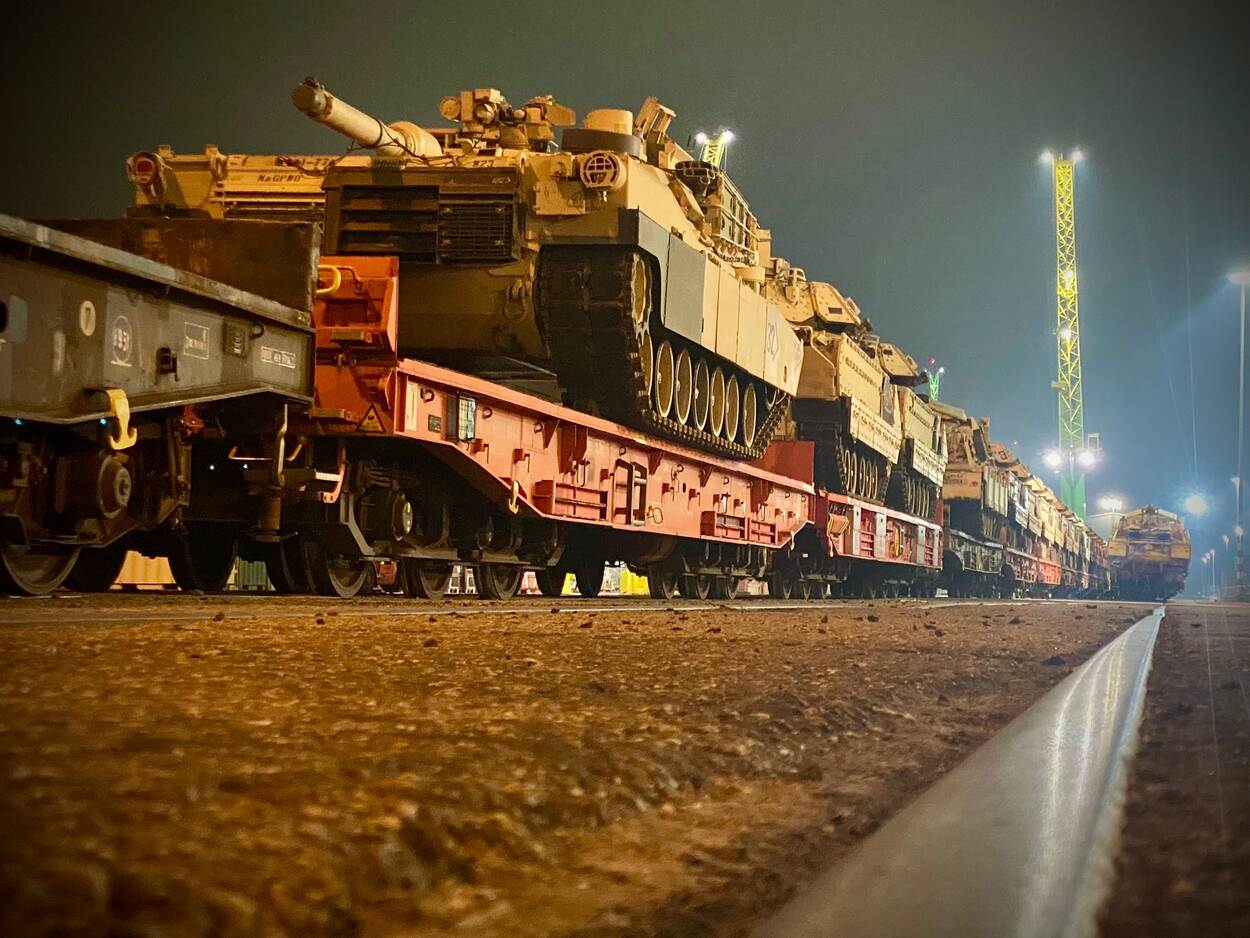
(372, 422)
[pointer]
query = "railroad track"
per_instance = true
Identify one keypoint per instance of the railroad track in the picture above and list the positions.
(124, 608)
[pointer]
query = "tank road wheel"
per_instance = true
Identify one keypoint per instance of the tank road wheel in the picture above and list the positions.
(640, 300)
(716, 402)
(26, 572)
(424, 579)
(646, 355)
(551, 580)
(702, 390)
(733, 407)
(589, 575)
(695, 586)
(750, 414)
(98, 567)
(661, 583)
(683, 388)
(343, 577)
(498, 580)
(780, 587)
(287, 563)
(665, 378)
(202, 556)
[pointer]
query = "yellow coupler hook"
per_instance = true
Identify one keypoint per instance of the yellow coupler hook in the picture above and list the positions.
(119, 413)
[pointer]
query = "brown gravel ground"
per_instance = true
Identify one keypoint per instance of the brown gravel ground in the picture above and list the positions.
(1184, 863)
(252, 767)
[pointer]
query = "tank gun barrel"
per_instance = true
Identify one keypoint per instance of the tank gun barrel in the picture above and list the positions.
(401, 138)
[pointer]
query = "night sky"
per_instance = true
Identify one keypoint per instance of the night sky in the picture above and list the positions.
(892, 148)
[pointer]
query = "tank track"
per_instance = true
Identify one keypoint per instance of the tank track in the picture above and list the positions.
(584, 301)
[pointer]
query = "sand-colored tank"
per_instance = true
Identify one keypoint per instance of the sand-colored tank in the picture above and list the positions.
(876, 438)
(1149, 554)
(976, 489)
(609, 263)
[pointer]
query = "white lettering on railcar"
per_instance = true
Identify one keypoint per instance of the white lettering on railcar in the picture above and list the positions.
(276, 356)
(195, 341)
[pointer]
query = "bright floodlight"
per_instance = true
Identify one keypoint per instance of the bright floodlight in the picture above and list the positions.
(1077, 155)
(1110, 503)
(1053, 458)
(1239, 530)
(1225, 537)
(942, 369)
(1047, 157)
(1196, 505)
(1086, 458)
(726, 136)
(700, 138)
(1066, 334)
(1240, 278)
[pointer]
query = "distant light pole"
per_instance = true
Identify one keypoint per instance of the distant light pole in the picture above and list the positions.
(1240, 278)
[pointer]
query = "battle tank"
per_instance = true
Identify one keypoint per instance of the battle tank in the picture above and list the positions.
(875, 438)
(1149, 554)
(612, 265)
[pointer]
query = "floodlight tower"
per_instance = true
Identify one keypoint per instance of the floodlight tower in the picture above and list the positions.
(1072, 442)
(714, 148)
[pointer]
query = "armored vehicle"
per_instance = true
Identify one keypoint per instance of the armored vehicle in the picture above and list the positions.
(1149, 554)
(611, 265)
(875, 437)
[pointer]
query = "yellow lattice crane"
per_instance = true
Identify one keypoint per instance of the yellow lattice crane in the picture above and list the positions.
(712, 148)
(1075, 451)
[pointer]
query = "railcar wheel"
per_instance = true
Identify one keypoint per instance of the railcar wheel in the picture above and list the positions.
(97, 568)
(661, 583)
(780, 587)
(725, 587)
(716, 402)
(589, 575)
(288, 568)
(498, 580)
(343, 577)
(551, 580)
(424, 579)
(665, 378)
(696, 586)
(802, 588)
(25, 572)
(202, 557)
(683, 388)
(702, 393)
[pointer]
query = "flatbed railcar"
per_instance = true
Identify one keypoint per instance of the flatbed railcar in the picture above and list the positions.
(402, 459)
(114, 368)
(233, 425)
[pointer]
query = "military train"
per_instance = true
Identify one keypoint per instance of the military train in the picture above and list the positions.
(481, 345)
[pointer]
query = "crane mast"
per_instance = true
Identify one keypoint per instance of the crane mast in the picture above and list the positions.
(1068, 336)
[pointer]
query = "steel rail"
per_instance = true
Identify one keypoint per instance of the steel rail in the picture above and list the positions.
(1018, 840)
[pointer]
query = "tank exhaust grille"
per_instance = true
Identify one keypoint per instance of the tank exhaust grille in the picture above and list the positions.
(413, 223)
(477, 230)
(400, 220)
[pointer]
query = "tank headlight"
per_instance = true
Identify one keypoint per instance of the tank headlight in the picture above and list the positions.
(144, 170)
(601, 170)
